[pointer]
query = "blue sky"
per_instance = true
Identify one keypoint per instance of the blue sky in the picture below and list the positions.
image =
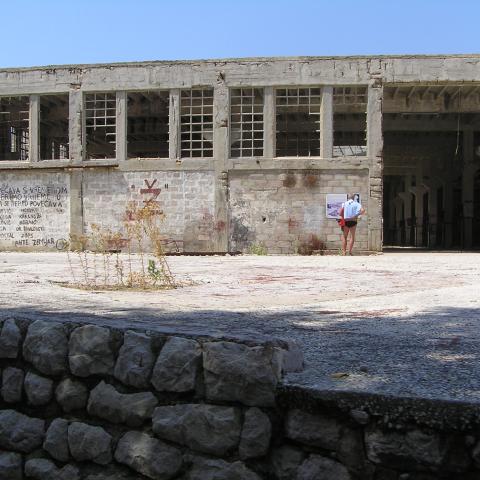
(46, 32)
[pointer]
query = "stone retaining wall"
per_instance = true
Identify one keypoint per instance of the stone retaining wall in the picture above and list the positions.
(81, 401)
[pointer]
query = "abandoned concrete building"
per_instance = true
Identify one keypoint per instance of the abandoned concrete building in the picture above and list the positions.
(244, 152)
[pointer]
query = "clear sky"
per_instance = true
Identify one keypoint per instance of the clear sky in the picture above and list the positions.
(46, 32)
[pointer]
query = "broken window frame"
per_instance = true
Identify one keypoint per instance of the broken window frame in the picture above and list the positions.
(355, 96)
(318, 92)
(21, 136)
(163, 92)
(107, 110)
(190, 128)
(257, 126)
(63, 148)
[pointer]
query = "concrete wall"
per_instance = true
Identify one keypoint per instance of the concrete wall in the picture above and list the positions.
(282, 210)
(86, 402)
(222, 75)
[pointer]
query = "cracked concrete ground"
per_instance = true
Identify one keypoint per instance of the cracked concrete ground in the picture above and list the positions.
(396, 324)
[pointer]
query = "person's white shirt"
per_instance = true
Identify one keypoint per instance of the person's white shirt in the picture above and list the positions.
(351, 209)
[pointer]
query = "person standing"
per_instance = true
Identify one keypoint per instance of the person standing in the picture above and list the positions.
(350, 212)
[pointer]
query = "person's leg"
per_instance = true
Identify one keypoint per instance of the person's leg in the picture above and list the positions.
(352, 239)
(344, 240)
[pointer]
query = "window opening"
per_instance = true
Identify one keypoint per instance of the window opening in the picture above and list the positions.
(54, 127)
(147, 124)
(298, 122)
(246, 121)
(100, 125)
(14, 128)
(349, 121)
(197, 122)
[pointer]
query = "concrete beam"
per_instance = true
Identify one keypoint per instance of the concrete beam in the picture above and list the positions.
(221, 152)
(375, 152)
(34, 128)
(326, 123)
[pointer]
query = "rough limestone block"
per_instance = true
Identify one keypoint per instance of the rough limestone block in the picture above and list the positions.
(317, 430)
(90, 352)
(11, 466)
(46, 347)
(19, 432)
(256, 433)
(286, 461)
(177, 365)
(12, 384)
(43, 469)
(207, 468)
(404, 450)
(316, 467)
(235, 372)
(71, 395)
(204, 428)
(10, 338)
(135, 360)
(292, 357)
(90, 443)
(38, 389)
(148, 456)
(40, 469)
(476, 454)
(129, 408)
(56, 440)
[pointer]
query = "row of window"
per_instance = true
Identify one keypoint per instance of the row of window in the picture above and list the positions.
(297, 123)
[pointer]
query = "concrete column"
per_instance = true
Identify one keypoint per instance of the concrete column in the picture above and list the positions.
(75, 125)
(121, 136)
(468, 178)
(407, 203)
(326, 123)
(375, 152)
(398, 202)
(448, 199)
(269, 134)
(34, 124)
(419, 191)
(220, 153)
(174, 124)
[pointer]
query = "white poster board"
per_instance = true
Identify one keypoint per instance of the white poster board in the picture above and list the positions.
(333, 204)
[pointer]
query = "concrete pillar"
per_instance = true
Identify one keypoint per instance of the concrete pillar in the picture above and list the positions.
(76, 206)
(419, 191)
(221, 152)
(448, 199)
(269, 134)
(326, 123)
(34, 123)
(174, 124)
(75, 125)
(398, 202)
(375, 151)
(121, 136)
(407, 203)
(468, 178)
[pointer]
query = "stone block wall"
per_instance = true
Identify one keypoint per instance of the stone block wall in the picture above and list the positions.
(185, 198)
(281, 210)
(87, 402)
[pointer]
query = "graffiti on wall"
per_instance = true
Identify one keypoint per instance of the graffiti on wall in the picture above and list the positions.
(33, 214)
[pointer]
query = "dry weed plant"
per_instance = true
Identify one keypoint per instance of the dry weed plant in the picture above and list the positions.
(98, 261)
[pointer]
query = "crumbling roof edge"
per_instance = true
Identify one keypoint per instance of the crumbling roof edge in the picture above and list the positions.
(146, 63)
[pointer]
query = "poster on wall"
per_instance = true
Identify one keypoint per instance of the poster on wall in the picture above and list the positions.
(334, 203)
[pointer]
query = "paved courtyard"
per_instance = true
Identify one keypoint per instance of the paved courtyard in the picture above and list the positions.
(403, 323)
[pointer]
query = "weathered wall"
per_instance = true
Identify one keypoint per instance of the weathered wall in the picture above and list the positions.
(215, 229)
(185, 198)
(85, 402)
(34, 209)
(283, 210)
